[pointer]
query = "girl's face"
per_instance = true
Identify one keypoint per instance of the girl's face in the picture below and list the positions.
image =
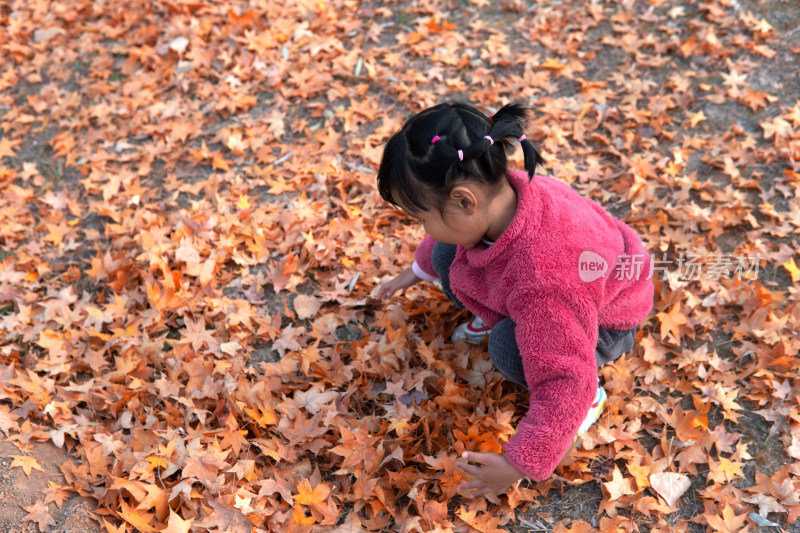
(460, 223)
(450, 227)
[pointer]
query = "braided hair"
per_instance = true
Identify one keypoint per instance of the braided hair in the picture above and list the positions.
(449, 144)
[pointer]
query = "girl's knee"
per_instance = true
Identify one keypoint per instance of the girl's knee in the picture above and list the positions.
(504, 352)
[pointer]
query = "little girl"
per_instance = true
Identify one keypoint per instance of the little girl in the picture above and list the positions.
(530, 258)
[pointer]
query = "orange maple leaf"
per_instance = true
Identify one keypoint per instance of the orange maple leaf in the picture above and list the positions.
(225, 518)
(553, 63)
(140, 520)
(27, 463)
(7, 147)
(671, 322)
(37, 512)
(57, 233)
(176, 524)
(299, 517)
(725, 469)
(483, 522)
(619, 485)
(791, 266)
(55, 493)
(697, 118)
(219, 163)
(358, 449)
(308, 496)
(728, 522)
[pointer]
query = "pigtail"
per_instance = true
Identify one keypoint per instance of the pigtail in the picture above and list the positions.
(509, 124)
(531, 156)
(512, 113)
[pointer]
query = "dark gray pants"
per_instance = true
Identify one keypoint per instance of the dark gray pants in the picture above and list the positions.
(503, 349)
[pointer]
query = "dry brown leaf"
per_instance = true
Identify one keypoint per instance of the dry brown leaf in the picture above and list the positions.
(670, 486)
(306, 306)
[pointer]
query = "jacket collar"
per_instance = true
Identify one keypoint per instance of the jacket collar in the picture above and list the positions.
(527, 218)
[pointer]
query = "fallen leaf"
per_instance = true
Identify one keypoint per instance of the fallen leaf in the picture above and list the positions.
(670, 486)
(696, 118)
(671, 322)
(37, 512)
(306, 306)
(308, 496)
(179, 44)
(225, 518)
(729, 522)
(176, 524)
(791, 266)
(619, 485)
(42, 35)
(27, 463)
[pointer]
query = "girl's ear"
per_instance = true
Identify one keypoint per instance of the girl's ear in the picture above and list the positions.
(464, 198)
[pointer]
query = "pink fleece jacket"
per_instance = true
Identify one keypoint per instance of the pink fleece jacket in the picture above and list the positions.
(544, 272)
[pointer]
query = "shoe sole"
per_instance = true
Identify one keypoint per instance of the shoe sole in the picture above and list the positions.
(467, 336)
(470, 340)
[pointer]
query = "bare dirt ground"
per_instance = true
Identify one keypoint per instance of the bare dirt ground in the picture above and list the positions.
(18, 490)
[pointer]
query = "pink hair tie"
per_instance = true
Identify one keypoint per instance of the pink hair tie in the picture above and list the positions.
(460, 155)
(491, 141)
(522, 138)
(435, 138)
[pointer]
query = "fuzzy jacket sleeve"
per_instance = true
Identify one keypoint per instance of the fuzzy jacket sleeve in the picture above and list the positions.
(556, 331)
(423, 263)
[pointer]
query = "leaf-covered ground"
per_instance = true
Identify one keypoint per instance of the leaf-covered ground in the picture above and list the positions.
(191, 234)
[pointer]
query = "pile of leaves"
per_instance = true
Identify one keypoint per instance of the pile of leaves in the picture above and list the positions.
(191, 237)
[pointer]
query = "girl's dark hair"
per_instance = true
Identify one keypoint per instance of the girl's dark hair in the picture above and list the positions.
(421, 162)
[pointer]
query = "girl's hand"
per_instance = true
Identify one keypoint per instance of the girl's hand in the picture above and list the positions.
(494, 477)
(404, 280)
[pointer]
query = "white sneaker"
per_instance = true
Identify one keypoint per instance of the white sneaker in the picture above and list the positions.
(594, 413)
(473, 331)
